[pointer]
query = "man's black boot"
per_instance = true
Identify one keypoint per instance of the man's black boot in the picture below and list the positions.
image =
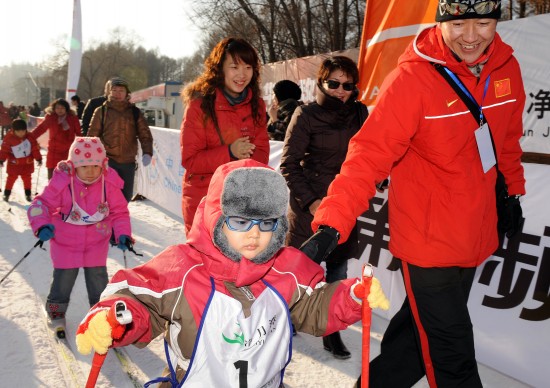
(333, 343)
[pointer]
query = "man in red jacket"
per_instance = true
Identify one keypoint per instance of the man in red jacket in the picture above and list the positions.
(442, 211)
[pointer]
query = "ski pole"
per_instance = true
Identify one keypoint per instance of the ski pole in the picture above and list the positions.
(118, 317)
(366, 313)
(37, 176)
(1, 168)
(130, 247)
(38, 243)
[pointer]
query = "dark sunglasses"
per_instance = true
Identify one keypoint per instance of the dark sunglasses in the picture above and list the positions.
(239, 224)
(456, 9)
(347, 86)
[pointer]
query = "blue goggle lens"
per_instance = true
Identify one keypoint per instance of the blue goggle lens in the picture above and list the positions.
(240, 224)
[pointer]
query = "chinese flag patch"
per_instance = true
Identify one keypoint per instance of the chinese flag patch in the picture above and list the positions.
(502, 87)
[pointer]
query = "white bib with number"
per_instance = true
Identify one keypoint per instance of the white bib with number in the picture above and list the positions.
(22, 150)
(234, 351)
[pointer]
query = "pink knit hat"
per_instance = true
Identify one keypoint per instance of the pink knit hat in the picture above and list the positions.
(87, 151)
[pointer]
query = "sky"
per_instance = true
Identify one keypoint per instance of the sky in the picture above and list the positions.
(31, 29)
(31, 358)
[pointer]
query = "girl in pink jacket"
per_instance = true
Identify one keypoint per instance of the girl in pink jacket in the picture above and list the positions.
(79, 209)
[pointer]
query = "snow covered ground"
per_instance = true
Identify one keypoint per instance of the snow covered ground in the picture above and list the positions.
(29, 357)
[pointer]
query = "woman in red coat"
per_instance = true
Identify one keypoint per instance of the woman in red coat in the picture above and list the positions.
(64, 127)
(224, 120)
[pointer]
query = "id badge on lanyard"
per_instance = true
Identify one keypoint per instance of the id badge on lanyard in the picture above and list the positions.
(483, 139)
(485, 147)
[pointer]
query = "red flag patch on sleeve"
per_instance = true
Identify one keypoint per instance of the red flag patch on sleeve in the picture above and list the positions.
(502, 87)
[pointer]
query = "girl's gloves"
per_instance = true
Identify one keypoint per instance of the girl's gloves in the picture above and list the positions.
(46, 232)
(100, 326)
(124, 242)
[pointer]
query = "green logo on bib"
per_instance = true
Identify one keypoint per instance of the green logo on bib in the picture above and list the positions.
(239, 339)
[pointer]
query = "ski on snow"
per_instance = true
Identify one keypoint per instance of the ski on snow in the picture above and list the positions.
(72, 373)
(133, 372)
(70, 366)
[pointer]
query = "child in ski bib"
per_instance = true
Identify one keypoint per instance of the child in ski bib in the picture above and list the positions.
(18, 150)
(226, 300)
(77, 211)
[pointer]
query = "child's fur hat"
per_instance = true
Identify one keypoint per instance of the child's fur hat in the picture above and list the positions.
(253, 193)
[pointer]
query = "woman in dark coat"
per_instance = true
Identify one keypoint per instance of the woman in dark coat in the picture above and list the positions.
(315, 147)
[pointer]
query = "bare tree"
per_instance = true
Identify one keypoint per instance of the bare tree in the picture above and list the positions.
(512, 9)
(283, 29)
(541, 6)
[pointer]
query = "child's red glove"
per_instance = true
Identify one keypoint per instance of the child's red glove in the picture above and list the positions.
(101, 326)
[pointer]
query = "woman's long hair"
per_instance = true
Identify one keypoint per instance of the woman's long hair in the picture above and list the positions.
(212, 77)
(60, 101)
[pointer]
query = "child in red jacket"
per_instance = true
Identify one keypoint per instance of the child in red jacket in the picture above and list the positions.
(19, 149)
(226, 300)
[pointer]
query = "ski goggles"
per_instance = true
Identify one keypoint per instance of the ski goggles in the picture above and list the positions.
(457, 9)
(239, 224)
(347, 86)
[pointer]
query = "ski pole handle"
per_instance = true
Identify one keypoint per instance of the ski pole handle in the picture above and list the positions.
(118, 317)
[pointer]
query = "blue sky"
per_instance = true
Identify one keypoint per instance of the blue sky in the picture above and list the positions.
(31, 29)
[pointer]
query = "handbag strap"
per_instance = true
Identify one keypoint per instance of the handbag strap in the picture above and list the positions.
(467, 98)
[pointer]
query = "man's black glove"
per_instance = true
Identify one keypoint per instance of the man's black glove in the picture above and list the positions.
(513, 221)
(319, 246)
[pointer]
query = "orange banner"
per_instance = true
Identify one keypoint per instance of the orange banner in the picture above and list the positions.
(388, 28)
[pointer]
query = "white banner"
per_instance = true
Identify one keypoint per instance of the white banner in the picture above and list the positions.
(161, 180)
(75, 53)
(523, 35)
(510, 298)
